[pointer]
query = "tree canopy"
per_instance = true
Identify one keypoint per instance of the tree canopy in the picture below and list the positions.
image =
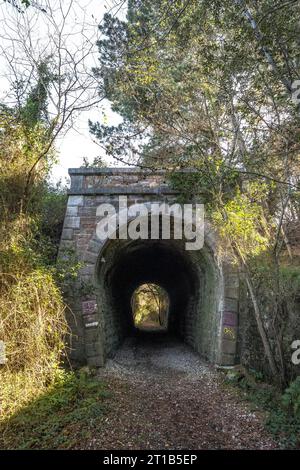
(209, 85)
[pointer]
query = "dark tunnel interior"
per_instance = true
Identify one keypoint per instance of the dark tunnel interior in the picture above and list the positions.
(127, 265)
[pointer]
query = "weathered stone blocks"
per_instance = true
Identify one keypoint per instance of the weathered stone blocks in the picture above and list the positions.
(218, 317)
(67, 234)
(72, 211)
(72, 222)
(75, 200)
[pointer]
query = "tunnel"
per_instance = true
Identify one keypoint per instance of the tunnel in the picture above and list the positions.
(202, 285)
(191, 280)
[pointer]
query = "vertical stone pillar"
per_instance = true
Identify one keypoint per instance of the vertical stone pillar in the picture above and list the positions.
(229, 325)
(92, 333)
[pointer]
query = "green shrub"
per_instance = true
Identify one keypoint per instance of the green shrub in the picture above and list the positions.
(291, 398)
(33, 327)
(66, 411)
(284, 427)
(283, 410)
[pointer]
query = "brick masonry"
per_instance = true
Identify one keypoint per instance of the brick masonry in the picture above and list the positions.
(211, 323)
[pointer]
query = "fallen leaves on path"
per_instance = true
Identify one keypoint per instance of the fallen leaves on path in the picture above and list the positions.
(164, 397)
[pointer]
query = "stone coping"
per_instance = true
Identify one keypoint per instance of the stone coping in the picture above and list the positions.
(80, 175)
(122, 171)
(122, 190)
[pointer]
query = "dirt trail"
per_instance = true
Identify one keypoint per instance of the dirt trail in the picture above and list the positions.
(165, 397)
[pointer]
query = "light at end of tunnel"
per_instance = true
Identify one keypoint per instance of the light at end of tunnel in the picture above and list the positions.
(150, 307)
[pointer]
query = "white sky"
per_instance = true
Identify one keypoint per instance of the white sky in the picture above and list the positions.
(78, 142)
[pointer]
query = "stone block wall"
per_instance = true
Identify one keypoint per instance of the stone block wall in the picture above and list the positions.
(212, 322)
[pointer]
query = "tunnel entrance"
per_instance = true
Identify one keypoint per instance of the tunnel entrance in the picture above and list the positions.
(150, 307)
(202, 286)
(187, 279)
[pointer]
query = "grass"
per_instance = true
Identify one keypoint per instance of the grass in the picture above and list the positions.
(60, 418)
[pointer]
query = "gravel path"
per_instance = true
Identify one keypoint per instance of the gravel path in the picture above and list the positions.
(165, 397)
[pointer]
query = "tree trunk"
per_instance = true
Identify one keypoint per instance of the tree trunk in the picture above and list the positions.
(260, 326)
(265, 51)
(258, 315)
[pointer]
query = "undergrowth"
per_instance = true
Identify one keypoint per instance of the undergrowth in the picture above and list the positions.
(65, 413)
(282, 409)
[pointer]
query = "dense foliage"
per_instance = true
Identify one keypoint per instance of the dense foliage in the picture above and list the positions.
(59, 418)
(202, 84)
(32, 320)
(208, 85)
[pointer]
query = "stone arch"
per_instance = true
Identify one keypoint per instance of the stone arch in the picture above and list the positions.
(201, 309)
(203, 288)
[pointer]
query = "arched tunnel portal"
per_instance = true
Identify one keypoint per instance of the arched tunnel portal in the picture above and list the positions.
(202, 288)
(191, 281)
